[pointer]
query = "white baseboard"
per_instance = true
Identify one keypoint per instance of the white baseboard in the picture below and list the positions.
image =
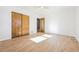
(4, 39)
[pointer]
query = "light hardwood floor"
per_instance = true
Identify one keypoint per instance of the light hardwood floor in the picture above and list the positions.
(58, 43)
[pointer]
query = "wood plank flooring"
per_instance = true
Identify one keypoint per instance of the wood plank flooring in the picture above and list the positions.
(58, 43)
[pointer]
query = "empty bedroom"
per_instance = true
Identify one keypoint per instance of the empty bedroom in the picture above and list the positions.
(39, 29)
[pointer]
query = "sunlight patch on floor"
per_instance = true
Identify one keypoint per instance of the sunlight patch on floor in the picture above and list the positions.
(41, 38)
(47, 35)
(38, 39)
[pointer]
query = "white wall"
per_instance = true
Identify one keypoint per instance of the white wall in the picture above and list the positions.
(4, 25)
(59, 20)
(5, 20)
(77, 23)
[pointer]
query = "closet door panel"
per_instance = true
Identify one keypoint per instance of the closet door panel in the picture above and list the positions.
(13, 25)
(16, 24)
(25, 24)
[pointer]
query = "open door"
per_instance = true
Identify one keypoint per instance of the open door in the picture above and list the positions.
(40, 24)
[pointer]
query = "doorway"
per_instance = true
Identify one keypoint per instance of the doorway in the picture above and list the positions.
(41, 25)
(20, 24)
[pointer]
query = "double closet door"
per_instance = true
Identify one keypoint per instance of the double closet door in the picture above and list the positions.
(20, 24)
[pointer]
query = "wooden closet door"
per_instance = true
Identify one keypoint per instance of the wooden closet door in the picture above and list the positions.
(25, 24)
(16, 24)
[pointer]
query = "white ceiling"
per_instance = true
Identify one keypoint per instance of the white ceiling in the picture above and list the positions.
(43, 10)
